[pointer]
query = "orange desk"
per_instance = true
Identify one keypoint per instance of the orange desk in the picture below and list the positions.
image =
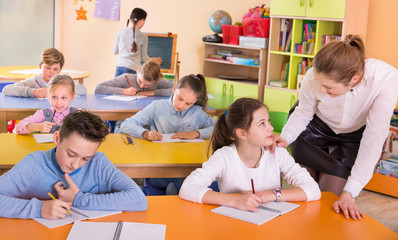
(5, 73)
(187, 220)
(143, 159)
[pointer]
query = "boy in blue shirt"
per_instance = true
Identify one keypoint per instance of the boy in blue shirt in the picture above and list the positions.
(73, 171)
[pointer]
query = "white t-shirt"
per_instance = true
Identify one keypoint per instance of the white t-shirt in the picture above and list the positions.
(234, 176)
(371, 103)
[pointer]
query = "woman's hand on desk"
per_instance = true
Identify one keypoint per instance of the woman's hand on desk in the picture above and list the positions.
(69, 194)
(54, 209)
(346, 204)
(129, 91)
(152, 135)
(186, 135)
(40, 93)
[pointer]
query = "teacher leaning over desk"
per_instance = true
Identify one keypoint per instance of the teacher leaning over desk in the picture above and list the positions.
(341, 121)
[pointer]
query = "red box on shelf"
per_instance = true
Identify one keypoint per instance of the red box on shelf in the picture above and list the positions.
(256, 27)
(231, 33)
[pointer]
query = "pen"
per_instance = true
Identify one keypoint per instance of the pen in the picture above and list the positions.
(52, 118)
(49, 194)
(118, 230)
(253, 186)
(38, 83)
(125, 140)
(128, 80)
(130, 140)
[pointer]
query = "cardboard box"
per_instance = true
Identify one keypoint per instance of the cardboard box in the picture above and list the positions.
(254, 42)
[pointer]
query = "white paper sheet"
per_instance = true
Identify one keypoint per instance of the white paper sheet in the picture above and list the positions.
(167, 139)
(123, 98)
(44, 137)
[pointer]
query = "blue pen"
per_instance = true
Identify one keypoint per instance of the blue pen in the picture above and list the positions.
(130, 140)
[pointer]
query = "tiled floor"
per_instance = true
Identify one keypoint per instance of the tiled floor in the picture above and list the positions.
(382, 208)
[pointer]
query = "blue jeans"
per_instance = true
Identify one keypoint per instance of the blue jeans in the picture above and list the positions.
(121, 70)
(163, 182)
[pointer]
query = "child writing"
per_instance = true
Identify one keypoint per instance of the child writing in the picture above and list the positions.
(51, 64)
(73, 171)
(61, 93)
(147, 82)
(132, 45)
(239, 156)
(183, 114)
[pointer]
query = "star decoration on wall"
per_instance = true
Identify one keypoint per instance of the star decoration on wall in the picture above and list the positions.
(81, 14)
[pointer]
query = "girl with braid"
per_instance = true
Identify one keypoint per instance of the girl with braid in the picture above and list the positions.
(132, 45)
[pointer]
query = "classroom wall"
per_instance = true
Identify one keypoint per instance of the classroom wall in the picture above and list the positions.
(382, 34)
(87, 45)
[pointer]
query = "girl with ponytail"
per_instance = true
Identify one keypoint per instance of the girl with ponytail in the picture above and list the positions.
(132, 45)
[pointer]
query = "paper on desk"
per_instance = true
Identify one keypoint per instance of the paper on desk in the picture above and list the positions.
(106, 231)
(44, 137)
(167, 139)
(266, 212)
(37, 71)
(74, 216)
(123, 97)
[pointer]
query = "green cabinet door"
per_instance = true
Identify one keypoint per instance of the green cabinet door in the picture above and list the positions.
(238, 90)
(216, 86)
(288, 7)
(279, 100)
(325, 9)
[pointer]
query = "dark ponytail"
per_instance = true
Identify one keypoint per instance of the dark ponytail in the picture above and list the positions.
(238, 115)
(136, 15)
(198, 84)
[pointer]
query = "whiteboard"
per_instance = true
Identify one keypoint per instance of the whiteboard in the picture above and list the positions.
(26, 30)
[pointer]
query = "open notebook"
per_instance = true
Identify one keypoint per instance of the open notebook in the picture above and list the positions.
(266, 212)
(76, 215)
(123, 98)
(44, 137)
(114, 230)
(167, 138)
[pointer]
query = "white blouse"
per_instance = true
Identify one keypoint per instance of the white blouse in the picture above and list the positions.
(234, 176)
(370, 103)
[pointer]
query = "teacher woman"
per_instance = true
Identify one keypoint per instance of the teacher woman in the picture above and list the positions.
(342, 119)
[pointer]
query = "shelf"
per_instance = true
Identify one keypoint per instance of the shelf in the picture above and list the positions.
(283, 89)
(232, 46)
(226, 62)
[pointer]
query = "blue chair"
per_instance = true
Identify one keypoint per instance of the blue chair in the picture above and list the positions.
(3, 84)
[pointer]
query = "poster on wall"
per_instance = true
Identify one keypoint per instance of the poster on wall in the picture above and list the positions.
(107, 9)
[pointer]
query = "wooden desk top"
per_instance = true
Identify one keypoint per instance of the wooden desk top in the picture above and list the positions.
(187, 220)
(142, 159)
(5, 73)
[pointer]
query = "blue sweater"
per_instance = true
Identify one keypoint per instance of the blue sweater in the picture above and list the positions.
(102, 186)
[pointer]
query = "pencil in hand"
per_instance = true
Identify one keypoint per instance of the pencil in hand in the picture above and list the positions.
(128, 80)
(49, 194)
(38, 83)
(254, 192)
(52, 118)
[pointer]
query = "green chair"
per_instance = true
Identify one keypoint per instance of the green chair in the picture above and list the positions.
(278, 120)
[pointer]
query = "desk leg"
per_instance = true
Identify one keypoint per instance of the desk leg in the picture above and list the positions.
(3, 122)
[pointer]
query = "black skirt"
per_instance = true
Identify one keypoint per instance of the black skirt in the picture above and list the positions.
(319, 148)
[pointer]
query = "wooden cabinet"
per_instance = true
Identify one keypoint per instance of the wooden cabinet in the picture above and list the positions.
(309, 8)
(331, 17)
(244, 80)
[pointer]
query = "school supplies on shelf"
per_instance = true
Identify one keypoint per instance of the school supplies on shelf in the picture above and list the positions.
(76, 215)
(167, 139)
(116, 230)
(43, 137)
(266, 212)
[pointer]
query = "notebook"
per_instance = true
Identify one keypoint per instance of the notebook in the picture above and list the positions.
(266, 212)
(109, 230)
(44, 137)
(76, 215)
(123, 98)
(167, 139)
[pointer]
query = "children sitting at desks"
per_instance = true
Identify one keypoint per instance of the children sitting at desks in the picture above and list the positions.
(51, 64)
(183, 114)
(74, 172)
(146, 82)
(61, 93)
(239, 158)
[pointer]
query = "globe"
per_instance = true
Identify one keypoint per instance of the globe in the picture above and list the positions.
(217, 19)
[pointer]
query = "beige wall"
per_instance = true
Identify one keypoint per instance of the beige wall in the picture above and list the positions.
(87, 45)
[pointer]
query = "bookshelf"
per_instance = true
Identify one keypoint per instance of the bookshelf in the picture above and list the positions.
(337, 17)
(231, 79)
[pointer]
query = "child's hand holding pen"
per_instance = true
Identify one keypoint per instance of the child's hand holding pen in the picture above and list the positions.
(40, 93)
(54, 209)
(129, 91)
(152, 135)
(45, 127)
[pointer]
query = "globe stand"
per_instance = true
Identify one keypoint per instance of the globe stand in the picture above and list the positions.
(215, 38)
